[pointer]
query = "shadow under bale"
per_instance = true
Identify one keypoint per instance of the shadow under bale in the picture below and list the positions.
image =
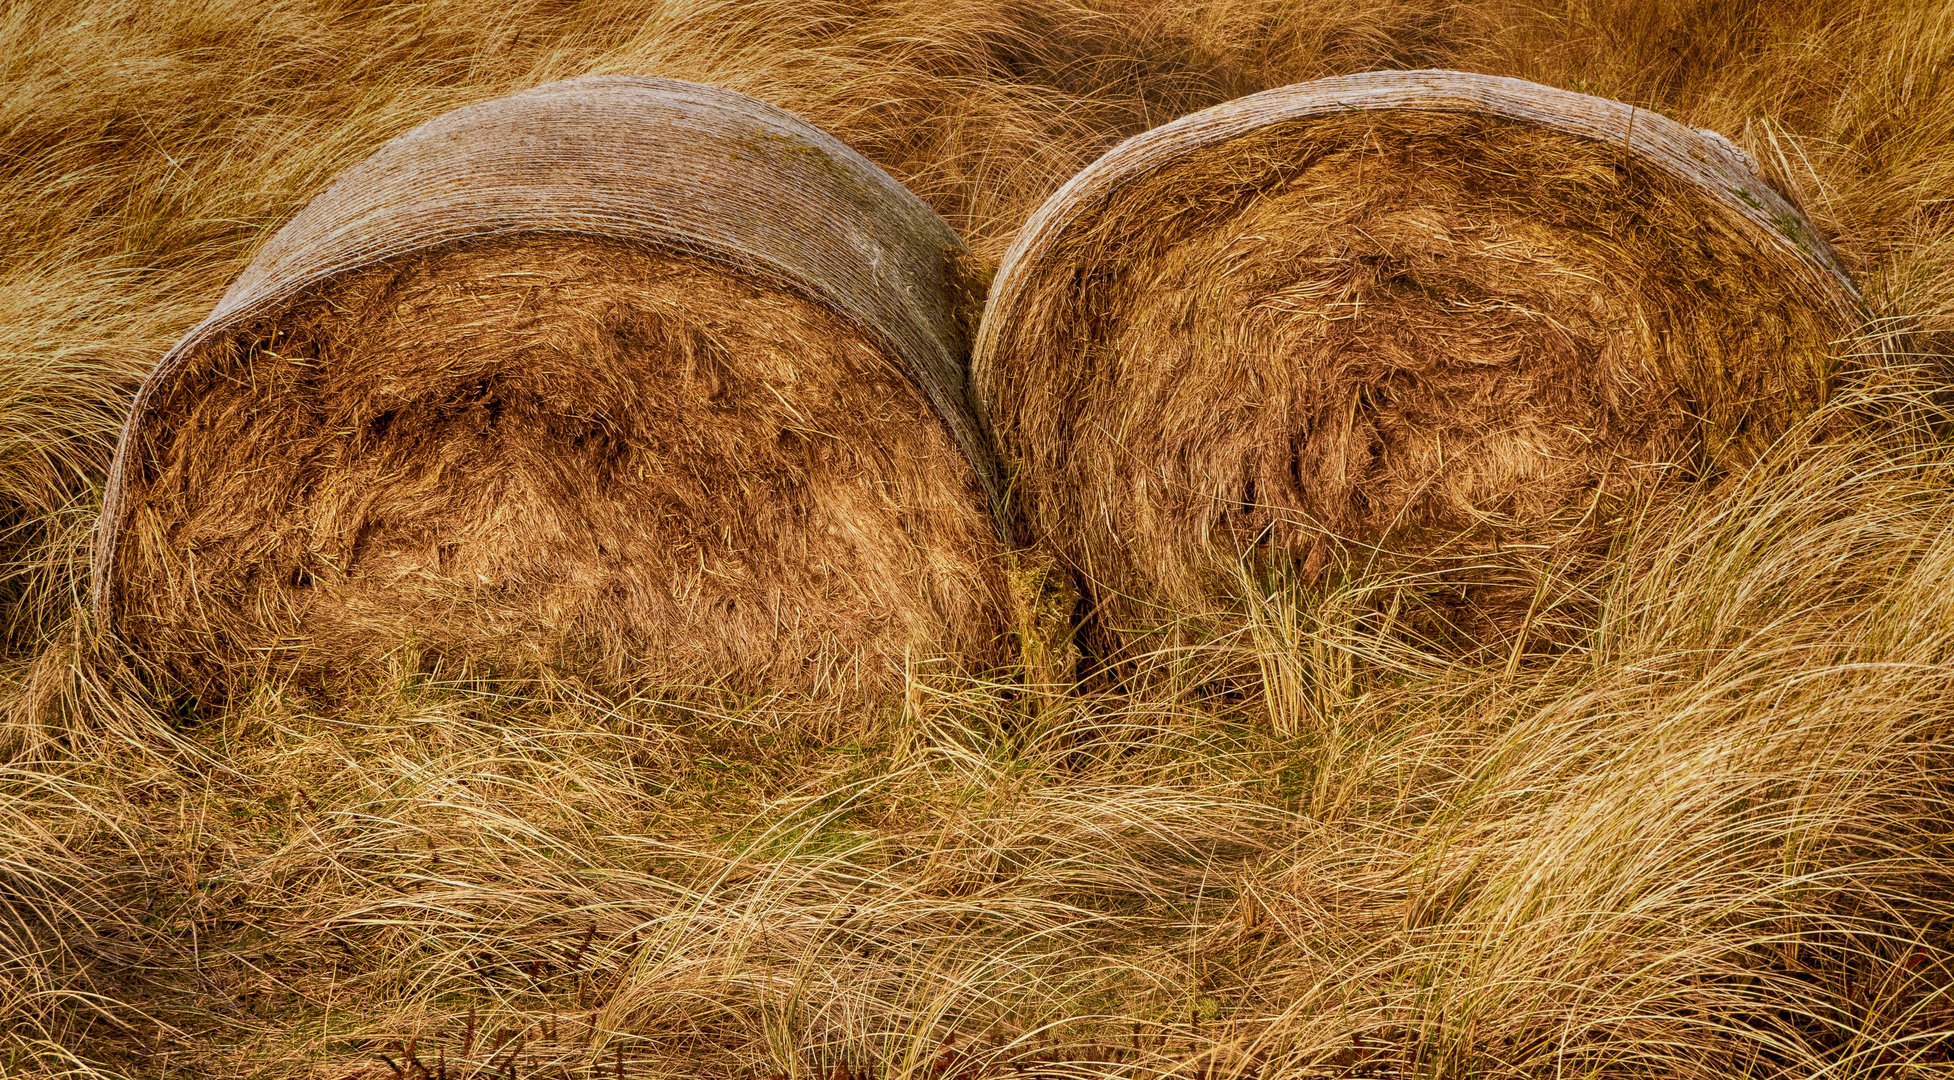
(634, 379)
(1440, 330)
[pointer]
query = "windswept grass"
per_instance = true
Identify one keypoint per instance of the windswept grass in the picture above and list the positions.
(1712, 838)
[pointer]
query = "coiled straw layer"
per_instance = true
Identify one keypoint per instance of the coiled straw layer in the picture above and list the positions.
(1438, 329)
(627, 376)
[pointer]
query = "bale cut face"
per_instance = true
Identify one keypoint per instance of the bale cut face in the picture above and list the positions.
(618, 453)
(1426, 325)
(562, 450)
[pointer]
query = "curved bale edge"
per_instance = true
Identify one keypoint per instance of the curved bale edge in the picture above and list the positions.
(1432, 328)
(622, 376)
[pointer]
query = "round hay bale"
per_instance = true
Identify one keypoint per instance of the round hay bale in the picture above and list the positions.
(624, 376)
(1430, 328)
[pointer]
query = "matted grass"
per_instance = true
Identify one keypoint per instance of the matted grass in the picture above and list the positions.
(1707, 838)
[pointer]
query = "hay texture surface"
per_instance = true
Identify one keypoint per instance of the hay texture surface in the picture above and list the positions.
(624, 376)
(1440, 326)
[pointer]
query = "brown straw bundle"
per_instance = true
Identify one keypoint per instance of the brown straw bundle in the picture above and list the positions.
(1432, 328)
(628, 376)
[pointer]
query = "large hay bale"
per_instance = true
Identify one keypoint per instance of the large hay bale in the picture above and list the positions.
(629, 376)
(1427, 327)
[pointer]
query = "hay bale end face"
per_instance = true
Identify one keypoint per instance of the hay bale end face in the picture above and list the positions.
(1444, 327)
(628, 377)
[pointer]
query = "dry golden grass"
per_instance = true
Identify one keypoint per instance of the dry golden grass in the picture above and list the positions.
(1713, 838)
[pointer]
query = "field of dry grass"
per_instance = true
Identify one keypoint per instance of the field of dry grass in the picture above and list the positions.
(1712, 839)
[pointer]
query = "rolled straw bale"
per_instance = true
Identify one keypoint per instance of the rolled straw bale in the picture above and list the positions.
(625, 375)
(1425, 327)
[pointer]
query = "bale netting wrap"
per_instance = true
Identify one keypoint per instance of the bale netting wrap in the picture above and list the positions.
(632, 377)
(1429, 328)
